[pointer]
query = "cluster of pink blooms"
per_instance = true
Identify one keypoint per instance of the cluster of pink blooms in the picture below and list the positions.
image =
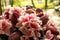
(27, 24)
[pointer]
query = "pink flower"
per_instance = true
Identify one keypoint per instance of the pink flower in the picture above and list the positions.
(51, 26)
(49, 35)
(17, 10)
(8, 9)
(7, 13)
(46, 39)
(34, 25)
(26, 17)
(31, 19)
(6, 25)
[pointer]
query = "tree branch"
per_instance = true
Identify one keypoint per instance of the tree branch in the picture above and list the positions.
(0, 8)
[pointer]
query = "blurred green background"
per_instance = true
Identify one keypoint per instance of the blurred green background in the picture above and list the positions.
(44, 4)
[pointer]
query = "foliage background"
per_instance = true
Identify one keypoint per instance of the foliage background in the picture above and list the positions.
(35, 3)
